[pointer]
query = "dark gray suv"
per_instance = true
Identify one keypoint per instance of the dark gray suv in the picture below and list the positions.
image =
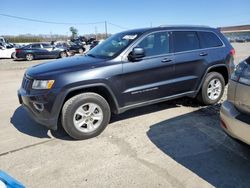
(128, 70)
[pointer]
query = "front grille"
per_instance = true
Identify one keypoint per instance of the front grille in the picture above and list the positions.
(26, 84)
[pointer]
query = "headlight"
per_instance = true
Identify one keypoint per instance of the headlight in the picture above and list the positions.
(42, 84)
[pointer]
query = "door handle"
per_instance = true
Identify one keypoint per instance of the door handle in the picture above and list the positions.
(203, 54)
(165, 60)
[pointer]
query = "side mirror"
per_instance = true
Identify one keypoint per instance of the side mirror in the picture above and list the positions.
(136, 54)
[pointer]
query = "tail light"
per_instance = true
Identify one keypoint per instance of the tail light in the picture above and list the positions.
(232, 52)
(223, 124)
(18, 50)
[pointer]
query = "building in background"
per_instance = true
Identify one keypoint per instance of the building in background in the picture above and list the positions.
(237, 33)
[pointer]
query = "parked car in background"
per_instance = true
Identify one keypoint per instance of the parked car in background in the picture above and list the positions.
(7, 52)
(80, 39)
(3, 40)
(95, 43)
(247, 38)
(40, 51)
(231, 39)
(240, 39)
(235, 111)
(71, 46)
(90, 40)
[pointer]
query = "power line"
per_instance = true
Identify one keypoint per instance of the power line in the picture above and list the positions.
(63, 23)
(121, 27)
(49, 22)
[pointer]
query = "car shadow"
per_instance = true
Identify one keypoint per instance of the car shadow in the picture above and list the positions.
(26, 125)
(196, 141)
(185, 101)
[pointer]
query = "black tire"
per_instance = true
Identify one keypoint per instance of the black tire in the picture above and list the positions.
(81, 50)
(29, 57)
(73, 104)
(13, 55)
(63, 54)
(203, 96)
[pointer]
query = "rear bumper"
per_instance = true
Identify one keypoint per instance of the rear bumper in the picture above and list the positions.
(20, 56)
(232, 125)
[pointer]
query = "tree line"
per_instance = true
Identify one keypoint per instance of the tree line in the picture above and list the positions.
(29, 38)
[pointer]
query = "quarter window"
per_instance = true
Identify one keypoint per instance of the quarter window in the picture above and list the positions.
(155, 44)
(185, 41)
(209, 39)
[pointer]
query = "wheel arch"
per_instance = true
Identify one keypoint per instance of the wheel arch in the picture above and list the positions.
(100, 89)
(222, 69)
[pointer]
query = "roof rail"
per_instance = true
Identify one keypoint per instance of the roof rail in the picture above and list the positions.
(184, 26)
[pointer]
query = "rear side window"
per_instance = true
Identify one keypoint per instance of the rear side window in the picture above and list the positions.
(185, 41)
(209, 40)
(47, 45)
(36, 46)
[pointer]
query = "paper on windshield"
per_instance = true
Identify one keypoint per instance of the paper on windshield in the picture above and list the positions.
(129, 37)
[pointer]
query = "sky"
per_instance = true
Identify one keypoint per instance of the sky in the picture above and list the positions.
(120, 15)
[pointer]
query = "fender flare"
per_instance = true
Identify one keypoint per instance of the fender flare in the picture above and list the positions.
(207, 71)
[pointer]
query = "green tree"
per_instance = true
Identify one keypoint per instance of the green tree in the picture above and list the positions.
(74, 32)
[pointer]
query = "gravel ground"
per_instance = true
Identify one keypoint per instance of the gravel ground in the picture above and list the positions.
(172, 144)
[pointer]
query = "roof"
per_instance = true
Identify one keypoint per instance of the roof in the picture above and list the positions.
(168, 27)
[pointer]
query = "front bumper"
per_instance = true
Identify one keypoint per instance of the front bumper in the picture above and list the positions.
(235, 127)
(41, 107)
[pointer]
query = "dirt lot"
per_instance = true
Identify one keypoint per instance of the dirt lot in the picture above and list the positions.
(171, 144)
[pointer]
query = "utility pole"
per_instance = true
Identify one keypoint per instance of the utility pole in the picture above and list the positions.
(106, 29)
(96, 33)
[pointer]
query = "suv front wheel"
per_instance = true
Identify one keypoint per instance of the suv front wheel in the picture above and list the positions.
(85, 115)
(212, 88)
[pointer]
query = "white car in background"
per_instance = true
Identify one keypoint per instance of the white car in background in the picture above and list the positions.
(7, 52)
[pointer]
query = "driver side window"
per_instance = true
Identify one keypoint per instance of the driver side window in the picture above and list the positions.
(155, 44)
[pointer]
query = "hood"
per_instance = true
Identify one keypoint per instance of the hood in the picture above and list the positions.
(68, 64)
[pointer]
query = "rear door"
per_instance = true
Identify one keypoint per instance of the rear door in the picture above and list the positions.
(49, 51)
(190, 60)
(149, 78)
(214, 47)
(37, 50)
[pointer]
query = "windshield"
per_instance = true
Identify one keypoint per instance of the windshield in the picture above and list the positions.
(114, 45)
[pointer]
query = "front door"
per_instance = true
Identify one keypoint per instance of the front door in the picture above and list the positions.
(151, 77)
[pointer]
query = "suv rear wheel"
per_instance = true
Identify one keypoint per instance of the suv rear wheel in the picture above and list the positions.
(212, 88)
(85, 115)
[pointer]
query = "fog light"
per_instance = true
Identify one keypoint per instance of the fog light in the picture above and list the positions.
(38, 106)
(223, 124)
